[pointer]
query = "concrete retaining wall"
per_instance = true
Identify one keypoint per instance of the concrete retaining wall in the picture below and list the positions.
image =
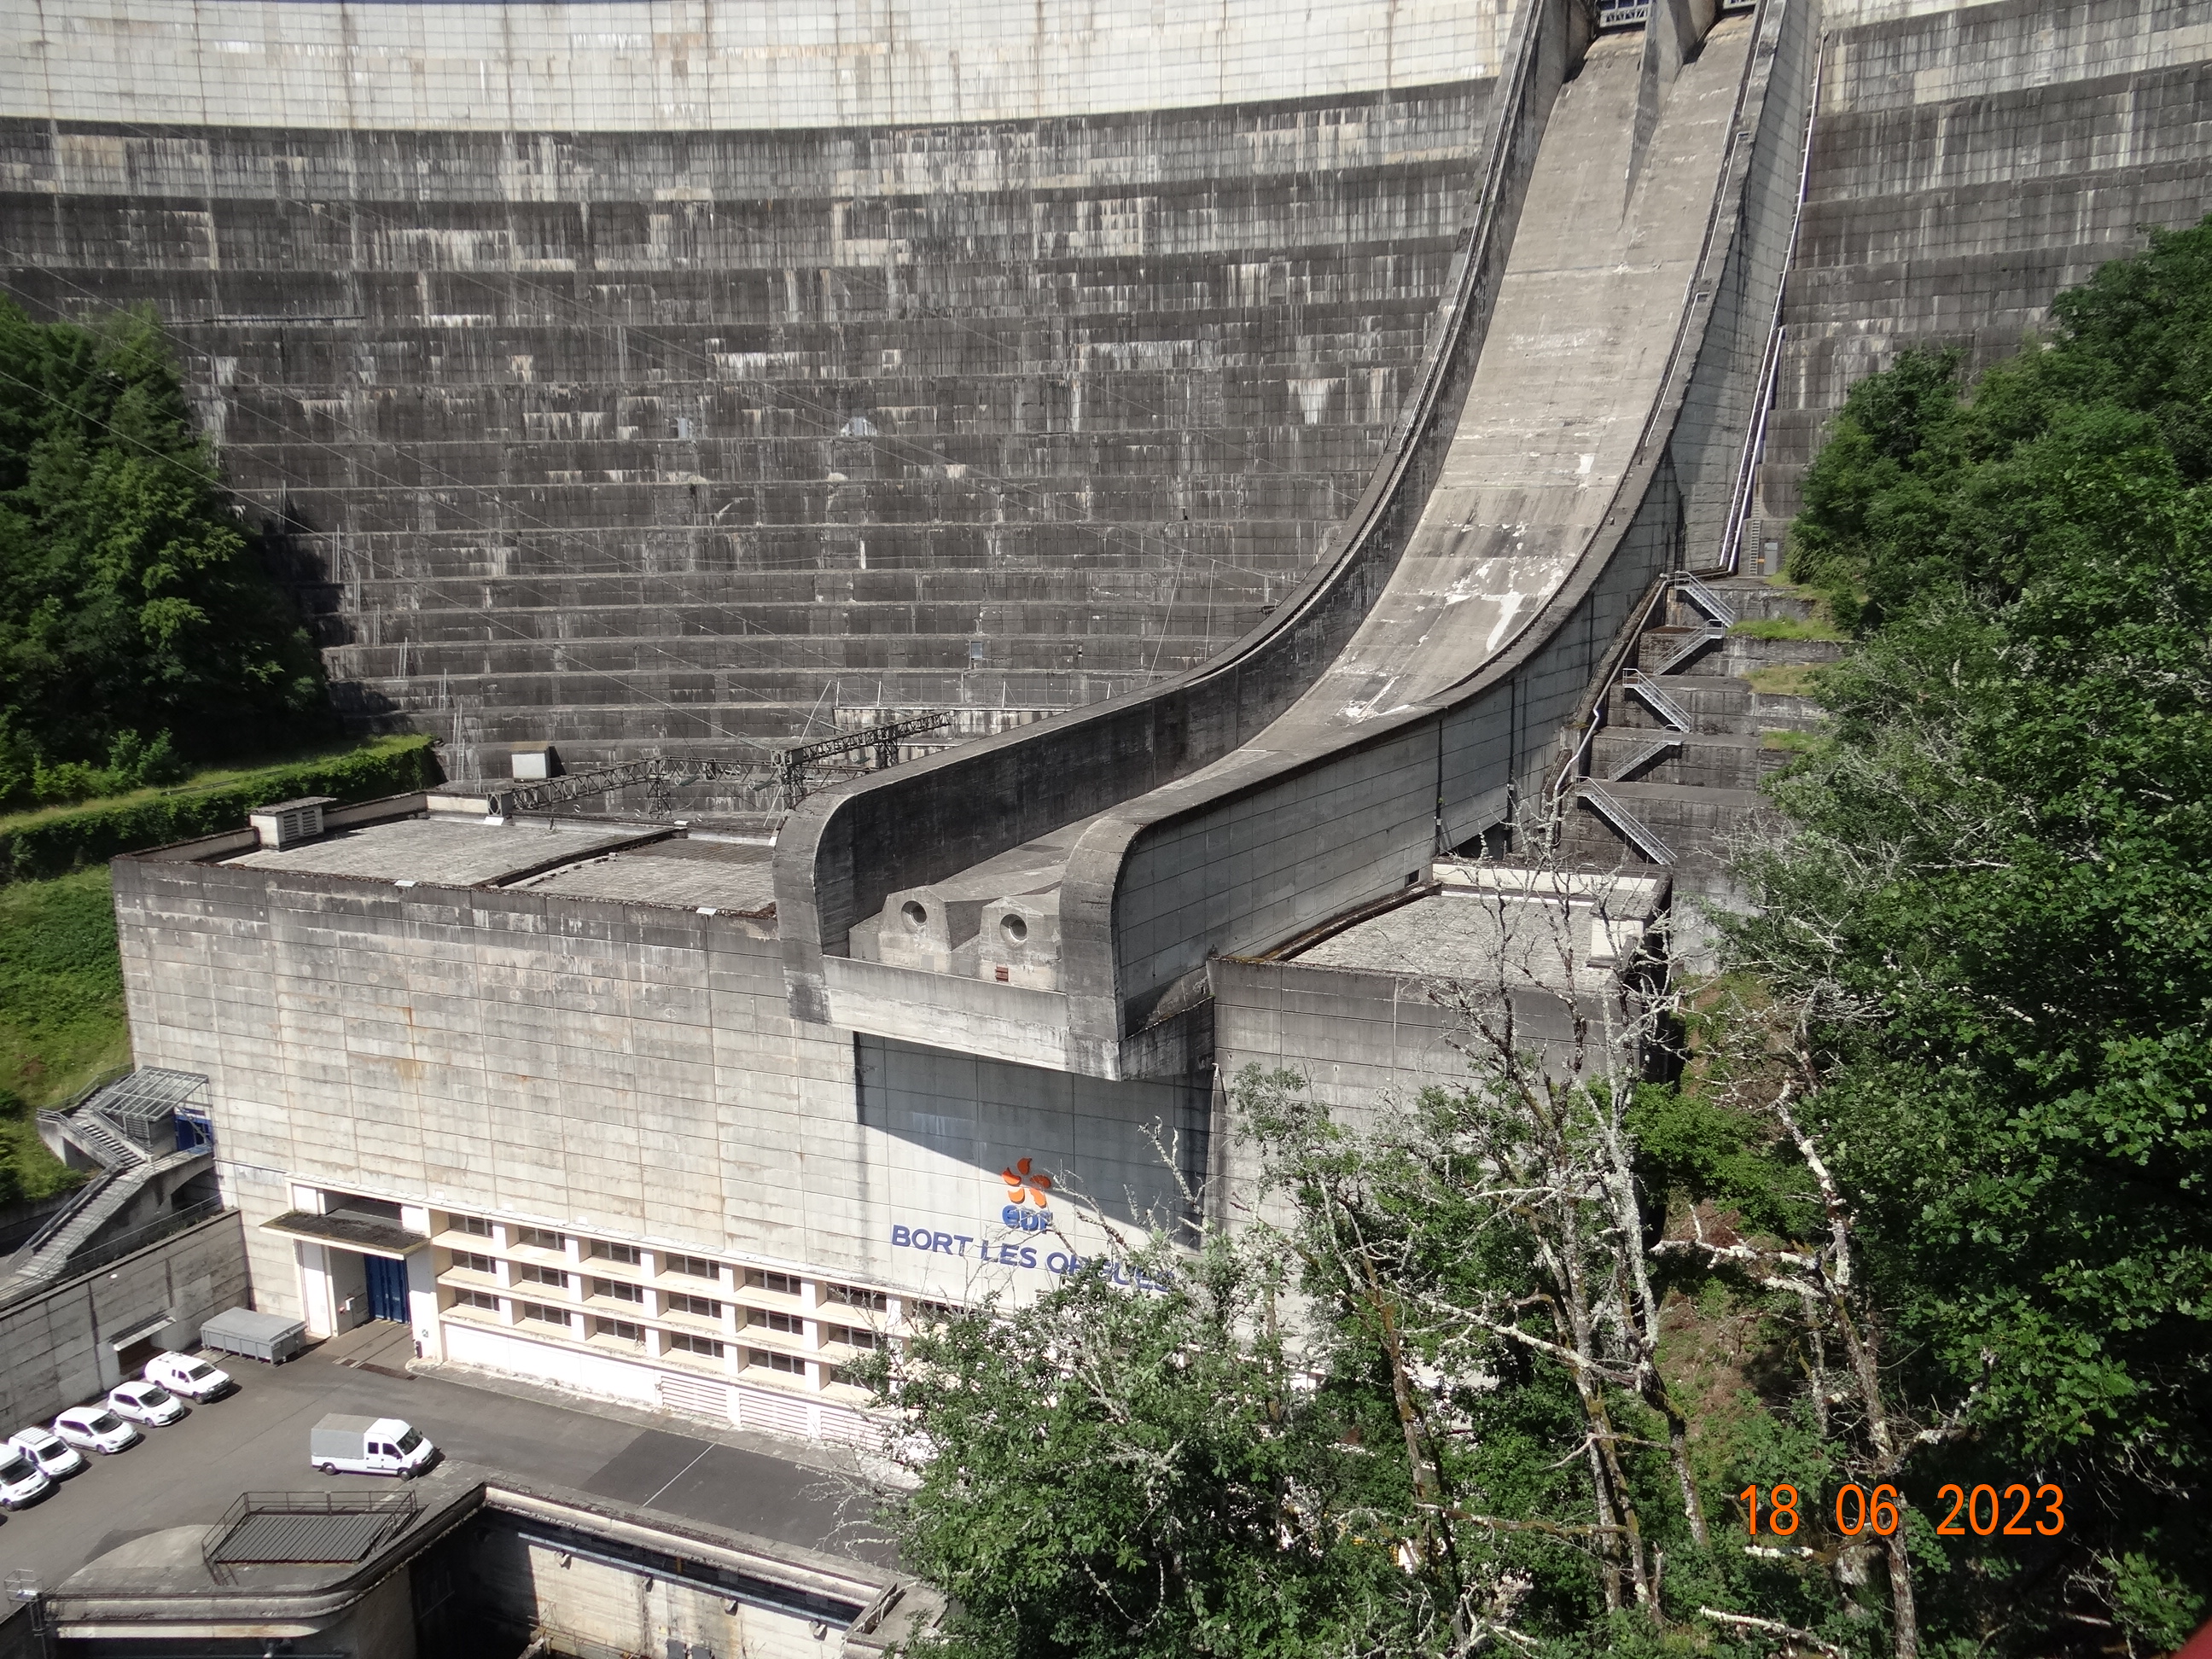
(57, 1348)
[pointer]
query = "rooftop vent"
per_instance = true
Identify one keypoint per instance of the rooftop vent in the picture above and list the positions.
(288, 823)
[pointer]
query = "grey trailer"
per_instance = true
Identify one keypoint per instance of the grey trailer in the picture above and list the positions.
(268, 1337)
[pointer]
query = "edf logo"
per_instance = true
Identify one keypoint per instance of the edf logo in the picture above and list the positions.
(1025, 1187)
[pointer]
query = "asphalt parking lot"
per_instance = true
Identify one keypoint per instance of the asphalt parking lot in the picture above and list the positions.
(257, 1441)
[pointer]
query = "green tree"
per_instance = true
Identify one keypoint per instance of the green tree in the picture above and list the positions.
(1997, 907)
(138, 626)
(1926, 1202)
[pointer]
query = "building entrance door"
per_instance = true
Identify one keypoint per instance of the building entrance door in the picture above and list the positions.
(387, 1288)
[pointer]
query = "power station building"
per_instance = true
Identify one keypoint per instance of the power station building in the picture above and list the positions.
(1295, 452)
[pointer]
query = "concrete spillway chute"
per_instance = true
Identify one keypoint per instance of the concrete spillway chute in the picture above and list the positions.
(1578, 426)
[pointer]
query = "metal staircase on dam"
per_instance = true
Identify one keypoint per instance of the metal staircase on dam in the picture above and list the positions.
(144, 1134)
(1688, 755)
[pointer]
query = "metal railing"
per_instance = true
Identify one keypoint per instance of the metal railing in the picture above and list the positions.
(1713, 604)
(1640, 688)
(1689, 646)
(394, 1512)
(116, 1249)
(1642, 758)
(1770, 367)
(1632, 829)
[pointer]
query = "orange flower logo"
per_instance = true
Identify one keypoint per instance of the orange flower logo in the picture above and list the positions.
(1027, 1187)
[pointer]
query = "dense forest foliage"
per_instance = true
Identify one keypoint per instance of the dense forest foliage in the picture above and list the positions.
(139, 630)
(1519, 1366)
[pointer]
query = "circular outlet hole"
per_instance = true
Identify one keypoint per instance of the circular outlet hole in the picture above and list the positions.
(917, 917)
(1015, 929)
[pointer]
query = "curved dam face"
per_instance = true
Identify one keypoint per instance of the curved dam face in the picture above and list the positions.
(1581, 432)
(640, 376)
(1307, 407)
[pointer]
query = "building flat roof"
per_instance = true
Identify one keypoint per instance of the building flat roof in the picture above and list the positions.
(691, 875)
(1561, 931)
(443, 852)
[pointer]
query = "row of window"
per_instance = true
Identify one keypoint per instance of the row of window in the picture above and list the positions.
(673, 1263)
(625, 1330)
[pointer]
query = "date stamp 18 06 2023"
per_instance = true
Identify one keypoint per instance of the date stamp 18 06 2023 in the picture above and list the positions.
(1979, 1510)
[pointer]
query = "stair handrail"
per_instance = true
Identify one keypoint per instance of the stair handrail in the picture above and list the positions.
(1690, 647)
(1770, 366)
(1640, 687)
(1644, 756)
(28, 1251)
(1715, 606)
(1623, 654)
(1639, 835)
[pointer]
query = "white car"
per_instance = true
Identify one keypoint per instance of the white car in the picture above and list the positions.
(146, 1402)
(22, 1482)
(55, 1460)
(95, 1428)
(195, 1379)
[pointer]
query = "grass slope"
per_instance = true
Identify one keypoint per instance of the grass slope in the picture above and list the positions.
(61, 1010)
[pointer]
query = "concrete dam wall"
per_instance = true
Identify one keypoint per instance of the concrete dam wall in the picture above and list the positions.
(661, 373)
(638, 376)
(1968, 163)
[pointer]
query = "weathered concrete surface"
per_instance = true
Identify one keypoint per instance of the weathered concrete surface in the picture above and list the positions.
(1968, 163)
(704, 65)
(1352, 790)
(841, 855)
(629, 439)
(622, 1067)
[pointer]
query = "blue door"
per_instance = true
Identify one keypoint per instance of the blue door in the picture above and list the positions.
(387, 1289)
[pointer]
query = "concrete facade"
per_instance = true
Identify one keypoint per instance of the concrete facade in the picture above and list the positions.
(549, 1098)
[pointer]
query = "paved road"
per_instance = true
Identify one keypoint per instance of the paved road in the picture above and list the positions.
(257, 1440)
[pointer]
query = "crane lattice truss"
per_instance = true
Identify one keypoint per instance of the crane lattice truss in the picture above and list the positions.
(660, 774)
(657, 772)
(884, 739)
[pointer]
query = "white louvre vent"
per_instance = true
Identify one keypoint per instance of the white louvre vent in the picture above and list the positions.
(288, 823)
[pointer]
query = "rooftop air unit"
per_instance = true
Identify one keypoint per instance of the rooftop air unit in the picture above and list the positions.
(288, 823)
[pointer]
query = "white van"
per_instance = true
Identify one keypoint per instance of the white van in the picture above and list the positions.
(195, 1379)
(368, 1445)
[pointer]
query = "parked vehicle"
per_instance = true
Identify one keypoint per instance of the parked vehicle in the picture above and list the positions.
(54, 1459)
(195, 1379)
(22, 1482)
(146, 1402)
(95, 1428)
(368, 1445)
